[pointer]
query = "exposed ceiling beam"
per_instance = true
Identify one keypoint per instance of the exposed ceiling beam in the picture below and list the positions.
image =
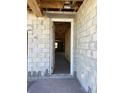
(61, 0)
(34, 7)
(46, 4)
(59, 12)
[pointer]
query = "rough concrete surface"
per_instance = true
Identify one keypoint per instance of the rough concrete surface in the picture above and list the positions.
(56, 85)
(61, 64)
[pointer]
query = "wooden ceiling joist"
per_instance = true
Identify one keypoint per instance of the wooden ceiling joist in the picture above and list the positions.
(61, 0)
(34, 7)
(46, 4)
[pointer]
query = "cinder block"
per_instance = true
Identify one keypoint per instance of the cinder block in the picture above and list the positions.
(45, 60)
(41, 45)
(82, 52)
(47, 55)
(41, 54)
(47, 46)
(38, 59)
(44, 36)
(40, 40)
(30, 64)
(30, 40)
(29, 22)
(30, 45)
(94, 37)
(94, 54)
(30, 35)
(30, 60)
(30, 50)
(35, 21)
(84, 46)
(89, 53)
(94, 21)
(40, 22)
(45, 40)
(85, 33)
(92, 29)
(40, 27)
(89, 24)
(85, 39)
(35, 26)
(93, 45)
(30, 54)
(29, 27)
(46, 31)
(35, 50)
(45, 50)
(41, 64)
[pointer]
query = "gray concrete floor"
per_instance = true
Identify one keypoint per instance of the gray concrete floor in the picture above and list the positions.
(61, 64)
(56, 85)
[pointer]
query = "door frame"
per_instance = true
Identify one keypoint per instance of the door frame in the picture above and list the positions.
(71, 40)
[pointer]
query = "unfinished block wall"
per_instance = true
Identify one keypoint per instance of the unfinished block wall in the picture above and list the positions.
(85, 45)
(38, 29)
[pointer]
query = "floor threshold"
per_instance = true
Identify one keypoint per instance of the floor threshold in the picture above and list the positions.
(61, 76)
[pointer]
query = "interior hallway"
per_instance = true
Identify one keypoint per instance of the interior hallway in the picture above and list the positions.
(61, 64)
(73, 27)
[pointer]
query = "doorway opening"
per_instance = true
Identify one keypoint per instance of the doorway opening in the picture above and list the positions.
(62, 40)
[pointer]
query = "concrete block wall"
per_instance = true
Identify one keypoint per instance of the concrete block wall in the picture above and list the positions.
(85, 45)
(38, 29)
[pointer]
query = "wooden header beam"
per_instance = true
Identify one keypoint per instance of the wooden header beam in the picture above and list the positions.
(34, 7)
(61, 0)
(46, 4)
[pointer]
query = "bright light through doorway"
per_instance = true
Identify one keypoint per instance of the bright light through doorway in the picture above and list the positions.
(56, 45)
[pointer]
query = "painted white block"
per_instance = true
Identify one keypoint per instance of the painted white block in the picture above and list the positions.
(29, 22)
(29, 27)
(94, 54)
(89, 24)
(45, 59)
(41, 45)
(30, 60)
(46, 31)
(35, 21)
(92, 29)
(84, 46)
(30, 35)
(84, 33)
(85, 39)
(47, 46)
(94, 37)
(38, 59)
(30, 40)
(89, 53)
(93, 46)
(41, 54)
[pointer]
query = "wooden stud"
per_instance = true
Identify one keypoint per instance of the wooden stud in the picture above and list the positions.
(34, 7)
(46, 4)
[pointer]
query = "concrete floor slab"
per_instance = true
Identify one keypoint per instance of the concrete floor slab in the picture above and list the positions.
(53, 85)
(61, 64)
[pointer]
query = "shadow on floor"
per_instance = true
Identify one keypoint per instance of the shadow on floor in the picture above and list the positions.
(62, 66)
(29, 83)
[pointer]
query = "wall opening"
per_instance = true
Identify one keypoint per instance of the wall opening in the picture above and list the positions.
(62, 47)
